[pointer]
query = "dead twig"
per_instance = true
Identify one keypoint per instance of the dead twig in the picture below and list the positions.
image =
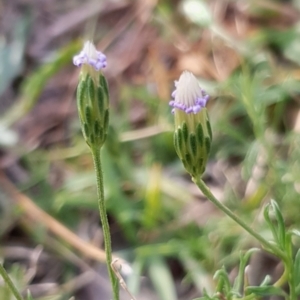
(116, 269)
(39, 217)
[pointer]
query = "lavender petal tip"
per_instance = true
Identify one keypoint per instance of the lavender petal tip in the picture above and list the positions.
(90, 56)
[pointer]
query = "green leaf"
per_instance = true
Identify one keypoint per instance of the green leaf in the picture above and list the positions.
(286, 41)
(29, 297)
(162, 279)
(295, 232)
(251, 159)
(196, 272)
(281, 233)
(134, 279)
(270, 223)
(296, 274)
(223, 285)
(266, 281)
(265, 291)
(11, 55)
(34, 84)
(207, 297)
(244, 258)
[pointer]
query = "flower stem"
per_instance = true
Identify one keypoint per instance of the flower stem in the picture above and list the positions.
(206, 191)
(283, 278)
(9, 283)
(104, 221)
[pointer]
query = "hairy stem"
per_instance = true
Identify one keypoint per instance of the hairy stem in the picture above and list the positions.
(104, 221)
(206, 191)
(9, 283)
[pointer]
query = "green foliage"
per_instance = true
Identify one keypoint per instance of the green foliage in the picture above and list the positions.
(17, 276)
(283, 242)
(11, 54)
(161, 278)
(158, 215)
(34, 84)
(29, 297)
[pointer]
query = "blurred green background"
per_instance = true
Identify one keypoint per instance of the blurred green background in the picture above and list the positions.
(246, 55)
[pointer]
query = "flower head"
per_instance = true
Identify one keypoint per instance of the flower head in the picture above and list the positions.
(90, 56)
(92, 95)
(188, 96)
(192, 136)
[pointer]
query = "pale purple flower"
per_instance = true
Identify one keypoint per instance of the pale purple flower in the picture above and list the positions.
(188, 96)
(90, 56)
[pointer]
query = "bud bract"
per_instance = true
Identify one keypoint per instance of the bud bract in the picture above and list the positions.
(192, 136)
(92, 95)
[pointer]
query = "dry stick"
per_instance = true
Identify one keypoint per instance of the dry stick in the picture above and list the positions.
(120, 278)
(39, 217)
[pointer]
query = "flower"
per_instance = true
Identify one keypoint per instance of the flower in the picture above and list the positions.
(192, 136)
(92, 95)
(90, 56)
(188, 95)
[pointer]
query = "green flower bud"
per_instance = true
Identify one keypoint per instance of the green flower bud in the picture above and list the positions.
(193, 135)
(92, 95)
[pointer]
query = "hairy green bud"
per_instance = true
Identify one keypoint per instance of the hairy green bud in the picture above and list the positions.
(193, 135)
(92, 95)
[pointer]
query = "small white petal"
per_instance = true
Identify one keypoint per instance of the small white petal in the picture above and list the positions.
(91, 56)
(188, 89)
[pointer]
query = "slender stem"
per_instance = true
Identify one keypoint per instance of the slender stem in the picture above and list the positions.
(288, 276)
(291, 280)
(104, 221)
(9, 283)
(290, 267)
(206, 191)
(283, 278)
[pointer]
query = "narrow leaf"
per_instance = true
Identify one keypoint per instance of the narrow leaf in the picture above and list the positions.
(162, 279)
